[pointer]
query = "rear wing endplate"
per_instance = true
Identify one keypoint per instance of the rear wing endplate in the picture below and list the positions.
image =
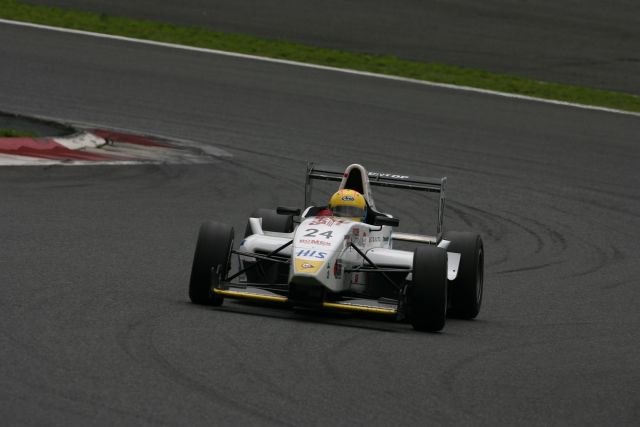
(383, 179)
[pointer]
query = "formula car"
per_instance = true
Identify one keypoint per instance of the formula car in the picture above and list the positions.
(298, 258)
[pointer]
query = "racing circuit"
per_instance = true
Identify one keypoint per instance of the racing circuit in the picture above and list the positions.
(96, 323)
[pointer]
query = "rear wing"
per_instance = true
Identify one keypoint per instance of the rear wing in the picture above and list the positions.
(382, 179)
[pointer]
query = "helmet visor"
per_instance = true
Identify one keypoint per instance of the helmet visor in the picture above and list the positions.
(349, 211)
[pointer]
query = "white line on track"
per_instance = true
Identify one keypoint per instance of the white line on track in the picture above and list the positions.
(318, 67)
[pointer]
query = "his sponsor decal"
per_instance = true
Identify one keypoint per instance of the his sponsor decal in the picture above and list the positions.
(347, 198)
(306, 265)
(309, 253)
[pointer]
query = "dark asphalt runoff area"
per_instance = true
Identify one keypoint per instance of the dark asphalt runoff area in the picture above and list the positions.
(97, 328)
(589, 43)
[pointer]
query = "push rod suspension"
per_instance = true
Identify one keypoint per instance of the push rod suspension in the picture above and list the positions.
(366, 258)
(259, 262)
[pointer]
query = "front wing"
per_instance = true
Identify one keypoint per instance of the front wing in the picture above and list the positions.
(259, 292)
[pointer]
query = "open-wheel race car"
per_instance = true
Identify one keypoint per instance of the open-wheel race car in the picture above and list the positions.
(316, 258)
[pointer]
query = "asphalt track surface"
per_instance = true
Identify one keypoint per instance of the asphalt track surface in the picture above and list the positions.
(585, 42)
(96, 324)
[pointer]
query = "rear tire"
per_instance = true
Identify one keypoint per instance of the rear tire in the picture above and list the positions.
(269, 272)
(467, 288)
(427, 293)
(213, 251)
(271, 221)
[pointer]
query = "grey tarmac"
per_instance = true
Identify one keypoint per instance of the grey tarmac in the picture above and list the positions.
(94, 261)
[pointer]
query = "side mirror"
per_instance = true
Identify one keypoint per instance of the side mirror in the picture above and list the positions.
(385, 220)
(283, 210)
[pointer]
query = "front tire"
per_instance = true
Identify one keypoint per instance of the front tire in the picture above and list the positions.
(427, 293)
(467, 288)
(211, 262)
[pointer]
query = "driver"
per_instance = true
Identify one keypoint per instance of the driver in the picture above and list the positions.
(348, 204)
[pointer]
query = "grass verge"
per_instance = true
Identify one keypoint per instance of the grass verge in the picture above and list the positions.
(200, 37)
(4, 133)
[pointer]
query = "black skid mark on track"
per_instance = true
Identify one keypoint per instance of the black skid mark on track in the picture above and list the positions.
(604, 257)
(42, 358)
(273, 386)
(260, 153)
(529, 268)
(451, 375)
(136, 341)
(282, 176)
(617, 284)
(607, 255)
(466, 217)
(335, 351)
(327, 384)
(482, 222)
(544, 236)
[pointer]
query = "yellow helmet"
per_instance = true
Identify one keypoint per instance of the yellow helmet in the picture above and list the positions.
(348, 203)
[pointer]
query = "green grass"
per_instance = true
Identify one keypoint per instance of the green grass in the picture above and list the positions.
(16, 133)
(200, 37)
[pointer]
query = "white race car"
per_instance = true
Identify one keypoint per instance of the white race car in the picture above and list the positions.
(297, 258)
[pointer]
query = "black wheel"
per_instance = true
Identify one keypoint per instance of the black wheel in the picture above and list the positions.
(466, 290)
(269, 272)
(211, 262)
(427, 292)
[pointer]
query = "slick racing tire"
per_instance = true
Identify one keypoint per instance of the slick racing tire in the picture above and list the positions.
(269, 272)
(466, 289)
(211, 262)
(427, 292)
